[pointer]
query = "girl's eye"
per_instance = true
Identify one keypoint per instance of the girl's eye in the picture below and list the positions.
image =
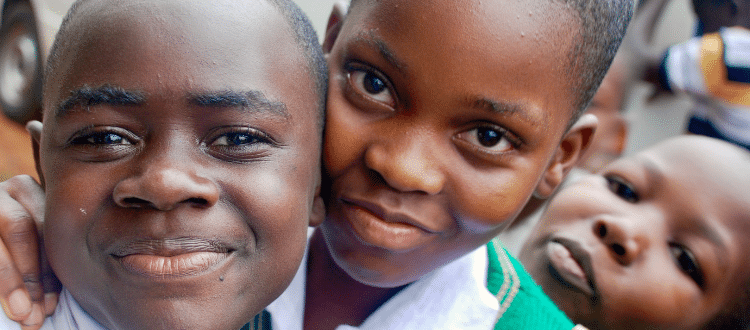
(372, 85)
(622, 189)
(101, 139)
(687, 263)
(494, 140)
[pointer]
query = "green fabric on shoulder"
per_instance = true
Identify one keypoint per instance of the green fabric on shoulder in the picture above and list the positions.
(523, 304)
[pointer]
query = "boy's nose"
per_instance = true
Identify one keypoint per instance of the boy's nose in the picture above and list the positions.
(624, 241)
(164, 186)
(406, 166)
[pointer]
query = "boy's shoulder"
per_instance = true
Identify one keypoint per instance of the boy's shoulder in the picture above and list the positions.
(523, 304)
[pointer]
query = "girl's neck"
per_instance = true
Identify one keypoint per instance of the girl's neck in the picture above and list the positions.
(332, 297)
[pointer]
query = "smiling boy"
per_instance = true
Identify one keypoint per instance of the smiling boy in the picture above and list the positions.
(438, 132)
(658, 240)
(180, 161)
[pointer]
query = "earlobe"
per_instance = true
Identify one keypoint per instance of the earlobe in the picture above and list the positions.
(338, 14)
(573, 145)
(34, 128)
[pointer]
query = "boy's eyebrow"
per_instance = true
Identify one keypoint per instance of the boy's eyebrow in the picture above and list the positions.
(254, 100)
(504, 108)
(90, 96)
(369, 38)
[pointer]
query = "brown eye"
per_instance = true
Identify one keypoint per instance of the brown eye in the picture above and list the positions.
(371, 85)
(622, 189)
(100, 138)
(687, 263)
(489, 139)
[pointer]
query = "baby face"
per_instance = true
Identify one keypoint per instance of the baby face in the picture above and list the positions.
(180, 158)
(438, 131)
(657, 240)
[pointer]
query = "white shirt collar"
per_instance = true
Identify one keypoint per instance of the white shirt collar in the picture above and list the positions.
(454, 296)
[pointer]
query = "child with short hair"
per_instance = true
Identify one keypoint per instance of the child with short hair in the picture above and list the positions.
(438, 132)
(658, 240)
(712, 67)
(180, 161)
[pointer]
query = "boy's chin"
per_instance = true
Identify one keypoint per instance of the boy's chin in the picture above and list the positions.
(220, 311)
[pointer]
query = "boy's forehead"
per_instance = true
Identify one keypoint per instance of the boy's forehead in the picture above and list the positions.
(475, 39)
(207, 44)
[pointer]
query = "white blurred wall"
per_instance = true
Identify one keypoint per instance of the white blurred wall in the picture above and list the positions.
(318, 11)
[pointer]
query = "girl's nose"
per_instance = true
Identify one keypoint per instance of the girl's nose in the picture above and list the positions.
(164, 185)
(406, 165)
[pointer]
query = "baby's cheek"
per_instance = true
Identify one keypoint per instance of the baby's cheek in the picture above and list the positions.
(648, 302)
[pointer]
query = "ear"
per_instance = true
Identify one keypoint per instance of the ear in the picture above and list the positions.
(572, 146)
(34, 128)
(318, 213)
(335, 21)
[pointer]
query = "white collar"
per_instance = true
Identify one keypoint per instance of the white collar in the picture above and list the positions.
(454, 296)
(70, 315)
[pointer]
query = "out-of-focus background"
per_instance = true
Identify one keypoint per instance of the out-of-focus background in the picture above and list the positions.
(27, 28)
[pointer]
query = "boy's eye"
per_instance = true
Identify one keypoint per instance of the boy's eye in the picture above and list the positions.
(687, 263)
(239, 144)
(101, 138)
(622, 189)
(493, 140)
(372, 85)
(235, 139)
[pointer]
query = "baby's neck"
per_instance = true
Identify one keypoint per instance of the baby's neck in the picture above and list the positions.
(332, 297)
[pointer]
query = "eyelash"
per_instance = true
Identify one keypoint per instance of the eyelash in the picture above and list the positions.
(687, 263)
(620, 188)
(239, 144)
(473, 139)
(353, 72)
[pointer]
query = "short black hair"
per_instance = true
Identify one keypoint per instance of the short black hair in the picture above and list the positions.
(602, 27)
(302, 29)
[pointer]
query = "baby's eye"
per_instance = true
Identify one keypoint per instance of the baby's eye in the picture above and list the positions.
(621, 188)
(687, 263)
(489, 139)
(101, 138)
(371, 84)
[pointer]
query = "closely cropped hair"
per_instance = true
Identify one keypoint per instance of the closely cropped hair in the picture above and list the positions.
(602, 27)
(603, 24)
(307, 40)
(303, 31)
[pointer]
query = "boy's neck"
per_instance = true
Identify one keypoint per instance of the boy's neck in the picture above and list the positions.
(332, 297)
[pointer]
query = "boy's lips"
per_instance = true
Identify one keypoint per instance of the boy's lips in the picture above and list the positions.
(178, 257)
(571, 265)
(377, 225)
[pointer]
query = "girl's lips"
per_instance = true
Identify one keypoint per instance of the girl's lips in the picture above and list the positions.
(571, 265)
(175, 257)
